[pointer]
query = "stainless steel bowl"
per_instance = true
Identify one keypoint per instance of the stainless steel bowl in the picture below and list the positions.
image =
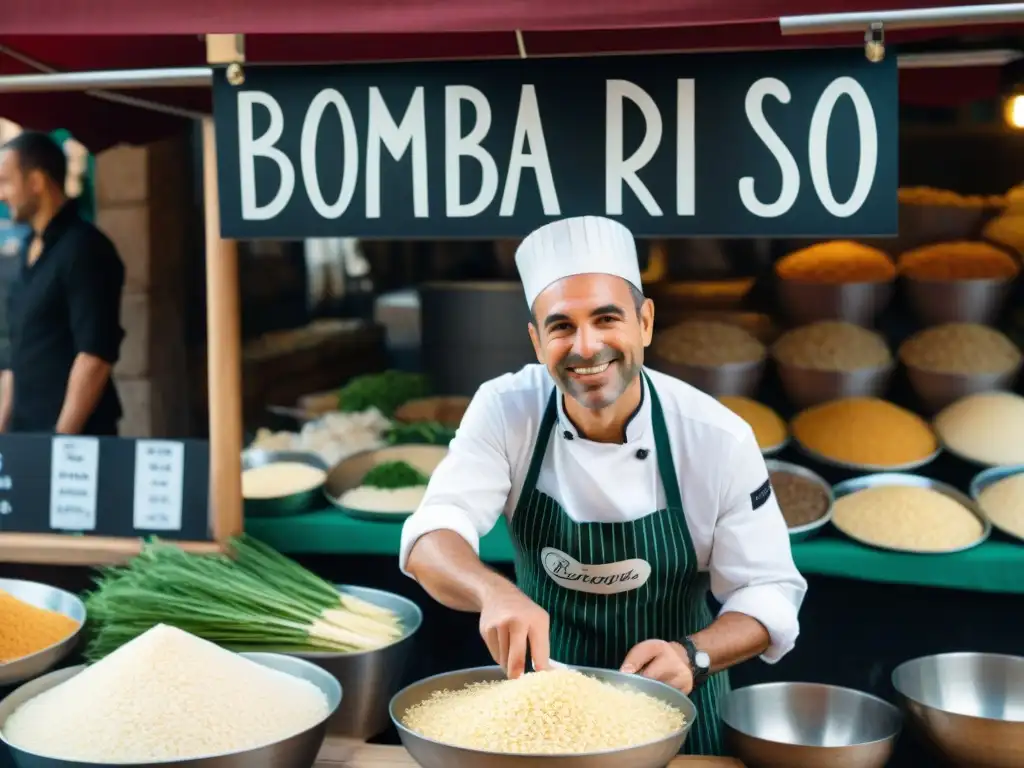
(349, 474)
(957, 301)
(433, 754)
(806, 386)
(829, 461)
(803, 532)
(298, 751)
(807, 725)
(52, 599)
(771, 450)
(857, 303)
(292, 504)
(970, 706)
(990, 477)
(917, 481)
(370, 678)
(936, 390)
(737, 379)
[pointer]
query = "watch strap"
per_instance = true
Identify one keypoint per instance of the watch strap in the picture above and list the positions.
(700, 674)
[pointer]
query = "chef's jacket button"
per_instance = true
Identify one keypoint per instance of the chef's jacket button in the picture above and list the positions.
(567, 435)
(642, 453)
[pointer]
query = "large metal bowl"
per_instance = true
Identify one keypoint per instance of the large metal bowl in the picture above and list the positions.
(990, 477)
(936, 390)
(737, 379)
(52, 599)
(433, 754)
(807, 725)
(298, 751)
(292, 504)
(918, 481)
(369, 678)
(857, 303)
(970, 706)
(803, 532)
(935, 302)
(806, 386)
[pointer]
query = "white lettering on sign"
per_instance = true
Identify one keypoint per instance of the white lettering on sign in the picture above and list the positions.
(307, 154)
(817, 147)
(249, 148)
(817, 144)
(412, 131)
(605, 579)
(457, 146)
(74, 472)
(529, 129)
(159, 483)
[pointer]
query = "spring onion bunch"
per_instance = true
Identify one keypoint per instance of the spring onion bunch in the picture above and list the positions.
(252, 598)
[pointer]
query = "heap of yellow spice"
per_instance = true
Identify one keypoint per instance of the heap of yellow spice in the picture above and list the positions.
(25, 629)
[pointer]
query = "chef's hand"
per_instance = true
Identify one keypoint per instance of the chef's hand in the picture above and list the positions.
(509, 620)
(663, 661)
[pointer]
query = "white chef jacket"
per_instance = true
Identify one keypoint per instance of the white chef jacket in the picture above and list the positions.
(718, 462)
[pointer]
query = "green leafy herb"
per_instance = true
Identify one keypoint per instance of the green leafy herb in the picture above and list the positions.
(421, 432)
(393, 475)
(386, 391)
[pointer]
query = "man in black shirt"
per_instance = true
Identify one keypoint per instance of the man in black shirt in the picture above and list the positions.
(64, 305)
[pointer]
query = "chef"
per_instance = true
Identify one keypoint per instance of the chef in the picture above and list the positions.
(629, 495)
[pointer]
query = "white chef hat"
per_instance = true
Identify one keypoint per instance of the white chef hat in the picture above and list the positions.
(578, 246)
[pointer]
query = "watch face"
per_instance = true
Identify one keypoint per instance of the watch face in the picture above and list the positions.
(702, 660)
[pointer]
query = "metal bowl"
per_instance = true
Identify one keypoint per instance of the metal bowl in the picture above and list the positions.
(970, 706)
(808, 725)
(935, 302)
(298, 751)
(433, 754)
(936, 390)
(990, 477)
(806, 386)
(857, 303)
(349, 474)
(737, 379)
(828, 461)
(52, 599)
(293, 504)
(917, 481)
(802, 532)
(771, 450)
(369, 678)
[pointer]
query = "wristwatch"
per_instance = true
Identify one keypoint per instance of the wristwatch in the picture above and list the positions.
(700, 662)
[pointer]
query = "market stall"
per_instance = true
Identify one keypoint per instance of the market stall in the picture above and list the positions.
(274, 114)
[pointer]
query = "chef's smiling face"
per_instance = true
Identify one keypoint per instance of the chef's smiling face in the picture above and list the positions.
(590, 331)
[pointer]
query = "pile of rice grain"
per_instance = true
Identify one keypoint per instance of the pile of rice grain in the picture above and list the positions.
(987, 428)
(830, 345)
(166, 695)
(556, 712)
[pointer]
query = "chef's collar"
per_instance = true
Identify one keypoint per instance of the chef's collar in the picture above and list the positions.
(636, 424)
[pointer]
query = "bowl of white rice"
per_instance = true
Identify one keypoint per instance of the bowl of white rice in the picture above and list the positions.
(345, 489)
(569, 718)
(276, 483)
(170, 698)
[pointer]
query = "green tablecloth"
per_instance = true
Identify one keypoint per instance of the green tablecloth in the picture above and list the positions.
(996, 566)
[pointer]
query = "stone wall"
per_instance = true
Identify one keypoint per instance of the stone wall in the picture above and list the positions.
(143, 204)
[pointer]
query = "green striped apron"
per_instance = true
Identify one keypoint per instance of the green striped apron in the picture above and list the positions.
(592, 629)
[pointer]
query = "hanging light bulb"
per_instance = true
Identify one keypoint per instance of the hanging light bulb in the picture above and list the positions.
(1013, 110)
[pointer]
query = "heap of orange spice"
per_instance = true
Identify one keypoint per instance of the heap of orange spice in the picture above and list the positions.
(25, 629)
(958, 260)
(837, 261)
(865, 431)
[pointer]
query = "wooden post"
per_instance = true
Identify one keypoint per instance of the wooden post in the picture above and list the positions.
(223, 356)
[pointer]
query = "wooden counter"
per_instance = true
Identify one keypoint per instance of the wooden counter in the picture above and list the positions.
(343, 753)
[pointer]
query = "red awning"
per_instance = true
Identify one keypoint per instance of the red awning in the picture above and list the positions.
(126, 34)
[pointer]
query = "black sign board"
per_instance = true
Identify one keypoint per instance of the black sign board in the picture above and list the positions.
(786, 143)
(105, 486)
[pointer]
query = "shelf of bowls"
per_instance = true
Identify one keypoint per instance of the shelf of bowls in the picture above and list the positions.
(369, 454)
(833, 372)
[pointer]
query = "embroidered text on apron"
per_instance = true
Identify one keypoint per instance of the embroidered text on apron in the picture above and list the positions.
(598, 630)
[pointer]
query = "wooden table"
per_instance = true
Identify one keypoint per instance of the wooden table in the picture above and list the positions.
(344, 753)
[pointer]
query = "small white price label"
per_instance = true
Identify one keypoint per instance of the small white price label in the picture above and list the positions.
(159, 481)
(74, 472)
